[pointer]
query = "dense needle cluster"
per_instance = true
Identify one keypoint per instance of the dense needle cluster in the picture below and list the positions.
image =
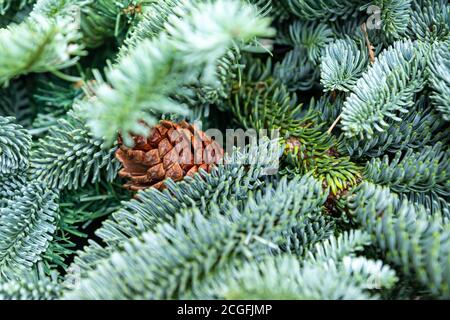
(171, 151)
(109, 189)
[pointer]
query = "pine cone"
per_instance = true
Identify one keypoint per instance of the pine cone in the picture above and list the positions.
(171, 151)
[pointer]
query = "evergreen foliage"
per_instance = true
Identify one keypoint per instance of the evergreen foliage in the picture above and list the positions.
(10, 187)
(395, 16)
(174, 262)
(422, 175)
(37, 45)
(342, 65)
(440, 80)
(33, 285)
(430, 20)
(324, 10)
(152, 207)
(423, 126)
(386, 90)
(162, 64)
(324, 275)
(69, 157)
(15, 102)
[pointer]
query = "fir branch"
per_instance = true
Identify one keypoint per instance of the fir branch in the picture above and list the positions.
(14, 11)
(440, 78)
(326, 108)
(6, 5)
(279, 10)
(386, 90)
(232, 180)
(342, 65)
(337, 248)
(409, 238)
(296, 71)
(266, 279)
(426, 172)
(266, 105)
(338, 173)
(150, 24)
(104, 19)
(395, 18)
(142, 82)
(69, 157)
(78, 209)
(37, 45)
(325, 9)
(32, 285)
(311, 36)
(98, 20)
(313, 229)
(303, 237)
(327, 277)
(227, 73)
(422, 126)
(15, 102)
(430, 20)
(176, 257)
(54, 98)
(11, 187)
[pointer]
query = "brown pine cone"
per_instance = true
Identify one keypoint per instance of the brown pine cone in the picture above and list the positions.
(171, 151)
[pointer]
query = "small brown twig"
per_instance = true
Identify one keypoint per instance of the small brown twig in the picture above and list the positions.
(370, 47)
